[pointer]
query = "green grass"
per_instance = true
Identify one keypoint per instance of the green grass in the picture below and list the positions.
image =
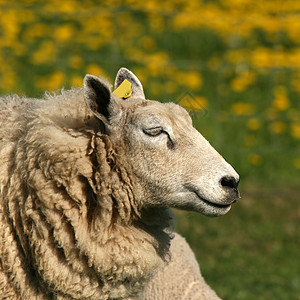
(253, 251)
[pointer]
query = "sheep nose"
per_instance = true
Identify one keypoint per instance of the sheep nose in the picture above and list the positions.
(230, 182)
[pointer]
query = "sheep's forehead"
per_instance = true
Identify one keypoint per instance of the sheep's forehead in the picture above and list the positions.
(168, 113)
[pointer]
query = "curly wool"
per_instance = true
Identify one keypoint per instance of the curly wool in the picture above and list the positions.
(70, 226)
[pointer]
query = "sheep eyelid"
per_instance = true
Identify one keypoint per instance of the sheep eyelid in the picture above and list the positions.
(153, 132)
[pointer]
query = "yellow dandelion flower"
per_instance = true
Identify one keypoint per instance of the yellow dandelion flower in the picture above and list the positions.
(76, 81)
(51, 83)
(157, 62)
(237, 56)
(277, 127)
(281, 101)
(297, 162)
(8, 82)
(191, 79)
(295, 130)
(241, 82)
(255, 159)
(66, 6)
(193, 103)
(253, 124)
(35, 31)
(56, 81)
(296, 84)
(45, 53)
(262, 57)
(241, 108)
(64, 33)
(95, 70)
(196, 103)
(296, 77)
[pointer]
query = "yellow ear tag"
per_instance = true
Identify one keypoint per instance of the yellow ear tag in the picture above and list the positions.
(123, 90)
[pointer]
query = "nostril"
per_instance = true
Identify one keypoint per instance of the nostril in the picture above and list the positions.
(229, 181)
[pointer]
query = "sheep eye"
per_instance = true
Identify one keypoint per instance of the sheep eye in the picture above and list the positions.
(153, 131)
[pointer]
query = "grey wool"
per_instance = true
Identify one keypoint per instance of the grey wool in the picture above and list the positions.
(87, 180)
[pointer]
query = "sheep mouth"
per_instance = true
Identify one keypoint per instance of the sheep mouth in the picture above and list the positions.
(213, 204)
(216, 205)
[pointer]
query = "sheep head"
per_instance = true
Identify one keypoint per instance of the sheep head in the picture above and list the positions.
(173, 164)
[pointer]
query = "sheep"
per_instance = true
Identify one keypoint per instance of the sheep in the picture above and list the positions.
(180, 279)
(87, 180)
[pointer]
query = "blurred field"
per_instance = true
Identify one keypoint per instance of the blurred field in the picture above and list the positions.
(234, 64)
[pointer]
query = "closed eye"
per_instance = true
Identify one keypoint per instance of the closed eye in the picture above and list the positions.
(156, 131)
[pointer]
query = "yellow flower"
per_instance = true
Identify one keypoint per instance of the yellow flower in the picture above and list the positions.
(95, 70)
(8, 82)
(45, 53)
(262, 57)
(157, 62)
(241, 82)
(76, 81)
(241, 108)
(297, 162)
(66, 6)
(237, 56)
(35, 31)
(295, 130)
(56, 80)
(277, 127)
(296, 81)
(281, 102)
(191, 103)
(51, 83)
(253, 124)
(255, 159)
(10, 27)
(191, 79)
(64, 33)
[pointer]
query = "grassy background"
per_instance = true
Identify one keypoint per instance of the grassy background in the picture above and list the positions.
(234, 64)
(253, 252)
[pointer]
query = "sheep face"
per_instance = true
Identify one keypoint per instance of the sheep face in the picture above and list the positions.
(173, 164)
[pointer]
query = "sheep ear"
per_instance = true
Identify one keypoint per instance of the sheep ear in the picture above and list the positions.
(97, 96)
(136, 86)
